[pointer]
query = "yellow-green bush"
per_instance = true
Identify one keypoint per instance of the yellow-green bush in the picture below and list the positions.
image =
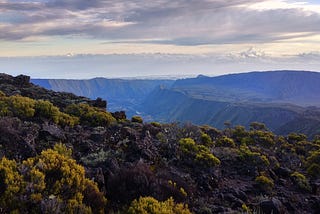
(52, 176)
(2, 94)
(225, 142)
(205, 157)
(4, 107)
(301, 181)
(57, 174)
(313, 164)
(21, 106)
(156, 124)
(263, 138)
(62, 150)
(264, 183)
(89, 115)
(206, 140)
(11, 184)
(254, 158)
(188, 146)
(294, 137)
(199, 153)
(149, 205)
(137, 119)
(258, 126)
(47, 109)
(27, 108)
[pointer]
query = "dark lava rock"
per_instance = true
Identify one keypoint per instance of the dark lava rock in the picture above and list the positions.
(273, 206)
(283, 172)
(99, 102)
(22, 80)
(119, 115)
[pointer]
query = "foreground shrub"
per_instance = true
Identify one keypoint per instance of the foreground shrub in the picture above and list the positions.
(301, 181)
(137, 119)
(206, 140)
(199, 153)
(264, 183)
(46, 109)
(253, 158)
(225, 142)
(49, 180)
(11, 184)
(89, 115)
(22, 107)
(27, 108)
(149, 205)
(313, 164)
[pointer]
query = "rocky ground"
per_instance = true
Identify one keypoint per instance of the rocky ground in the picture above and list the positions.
(214, 171)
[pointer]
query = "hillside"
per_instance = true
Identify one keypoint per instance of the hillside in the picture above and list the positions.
(121, 94)
(169, 105)
(295, 87)
(79, 158)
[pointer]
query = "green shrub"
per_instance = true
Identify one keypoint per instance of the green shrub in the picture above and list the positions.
(62, 150)
(149, 205)
(51, 175)
(27, 108)
(263, 138)
(89, 115)
(225, 142)
(314, 170)
(205, 157)
(245, 208)
(4, 108)
(206, 140)
(188, 146)
(239, 132)
(11, 184)
(247, 141)
(22, 107)
(137, 119)
(46, 109)
(301, 181)
(313, 164)
(53, 172)
(294, 137)
(68, 120)
(156, 124)
(199, 153)
(264, 183)
(258, 126)
(254, 158)
(2, 94)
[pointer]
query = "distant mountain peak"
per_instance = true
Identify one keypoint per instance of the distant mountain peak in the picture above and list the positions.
(202, 76)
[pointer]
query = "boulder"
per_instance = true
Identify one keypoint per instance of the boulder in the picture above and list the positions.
(273, 206)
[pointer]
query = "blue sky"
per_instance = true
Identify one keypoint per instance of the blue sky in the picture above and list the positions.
(46, 38)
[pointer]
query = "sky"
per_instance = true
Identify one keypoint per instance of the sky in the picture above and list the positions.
(127, 38)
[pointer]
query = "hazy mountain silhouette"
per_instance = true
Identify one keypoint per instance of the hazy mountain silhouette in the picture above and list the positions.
(280, 99)
(296, 87)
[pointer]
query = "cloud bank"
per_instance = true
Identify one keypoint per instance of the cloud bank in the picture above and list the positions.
(180, 22)
(140, 37)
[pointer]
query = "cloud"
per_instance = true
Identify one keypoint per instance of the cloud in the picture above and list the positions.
(180, 22)
(133, 65)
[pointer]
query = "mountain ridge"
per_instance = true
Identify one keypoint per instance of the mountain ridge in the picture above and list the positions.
(297, 87)
(273, 97)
